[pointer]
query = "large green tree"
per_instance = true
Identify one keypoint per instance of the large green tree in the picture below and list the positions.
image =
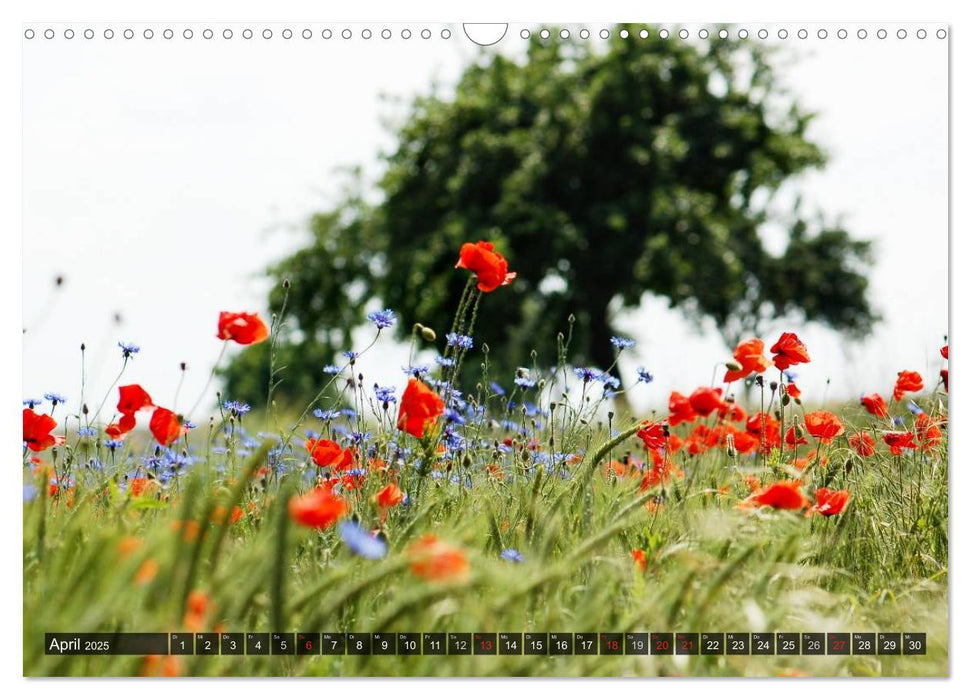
(603, 172)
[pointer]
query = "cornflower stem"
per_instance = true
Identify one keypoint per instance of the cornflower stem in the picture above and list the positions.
(97, 413)
(212, 375)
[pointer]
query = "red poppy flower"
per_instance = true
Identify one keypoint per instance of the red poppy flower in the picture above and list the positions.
(810, 458)
(132, 399)
(750, 355)
(733, 412)
(875, 405)
(125, 425)
(699, 439)
(899, 441)
(389, 496)
(863, 444)
(823, 425)
(830, 502)
(944, 378)
(928, 431)
(435, 560)
(663, 471)
(680, 409)
(793, 391)
(789, 351)
(490, 268)
(420, 407)
(242, 327)
(640, 559)
(320, 508)
(653, 435)
(944, 352)
(37, 430)
(165, 426)
(782, 495)
(772, 436)
(907, 381)
(793, 440)
(705, 400)
(327, 453)
(674, 444)
(745, 442)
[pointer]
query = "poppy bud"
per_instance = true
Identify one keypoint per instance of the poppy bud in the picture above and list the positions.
(182, 366)
(84, 409)
(571, 319)
(610, 415)
(785, 399)
(730, 446)
(532, 354)
(552, 407)
(428, 334)
(758, 380)
(59, 280)
(733, 366)
(485, 349)
(773, 385)
(286, 283)
(466, 461)
(82, 347)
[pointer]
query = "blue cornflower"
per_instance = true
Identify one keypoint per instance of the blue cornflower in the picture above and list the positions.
(525, 382)
(332, 369)
(445, 361)
(189, 425)
(622, 343)
(587, 374)
(113, 444)
(458, 340)
(237, 408)
(644, 376)
(899, 422)
(349, 413)
(87, 432)
(497, 389)
(30, 403)
(789, 375)
(512, 555)
(453, 416)
(435, 474)
(914, 408)
(350, 355)
(385, 394)
(360, 438)
(128, 349)
(382, 319)
(416, 370)
(360, 541)
(610, 382)
(326, 415)
(55, 398)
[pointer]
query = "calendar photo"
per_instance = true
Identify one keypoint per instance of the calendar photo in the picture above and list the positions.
(485, 350)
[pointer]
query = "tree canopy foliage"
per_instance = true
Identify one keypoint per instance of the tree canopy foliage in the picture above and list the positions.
(603, 172)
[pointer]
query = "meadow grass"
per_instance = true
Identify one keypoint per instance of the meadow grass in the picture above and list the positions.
(541, 491)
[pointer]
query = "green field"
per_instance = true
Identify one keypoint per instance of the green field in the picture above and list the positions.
(534, 516)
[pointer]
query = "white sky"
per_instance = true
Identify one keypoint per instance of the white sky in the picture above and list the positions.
(160, 177)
